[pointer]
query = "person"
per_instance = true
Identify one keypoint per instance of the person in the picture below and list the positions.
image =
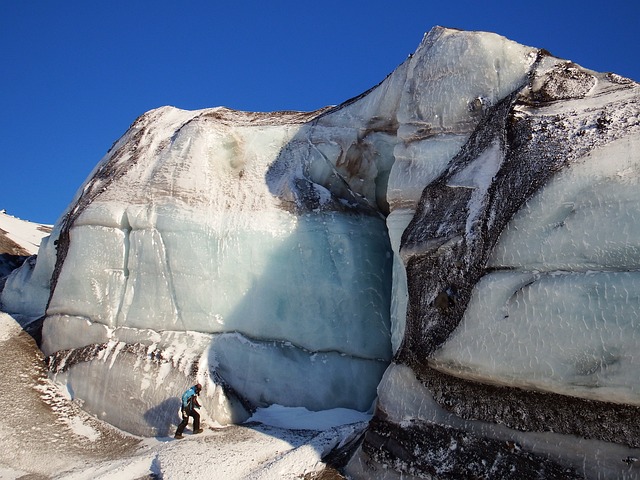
(189, 406)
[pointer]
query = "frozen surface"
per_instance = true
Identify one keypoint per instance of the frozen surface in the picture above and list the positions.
(450, 82)
(586, 218)
(27, 289)
(314, 380)
(196, 233)
(397, 221)
(300, 418)
(543, 323)
(217, 279)
(564, 316)
(572, 333)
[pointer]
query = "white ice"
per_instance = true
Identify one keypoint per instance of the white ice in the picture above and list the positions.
(564, 315)
(193, 227)
(194, 240)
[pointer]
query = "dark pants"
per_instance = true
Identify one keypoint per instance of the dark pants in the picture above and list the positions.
(185, 420)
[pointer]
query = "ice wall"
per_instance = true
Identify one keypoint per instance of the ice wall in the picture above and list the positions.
(266, 226)
(451, 80)
(178, 229)
(519, 354)
(471, 220)
(567, 270)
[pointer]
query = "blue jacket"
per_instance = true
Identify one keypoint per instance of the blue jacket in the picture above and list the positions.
(187, 395)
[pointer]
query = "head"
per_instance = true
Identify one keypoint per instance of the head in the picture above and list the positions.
(198, 387)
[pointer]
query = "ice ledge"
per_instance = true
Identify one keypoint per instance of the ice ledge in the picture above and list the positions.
(407, 409)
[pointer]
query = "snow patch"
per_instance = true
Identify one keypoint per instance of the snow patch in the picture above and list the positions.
(299, 418)
(27, 235)
(81, 428)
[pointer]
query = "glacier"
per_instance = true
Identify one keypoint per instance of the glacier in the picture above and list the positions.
(455, 250)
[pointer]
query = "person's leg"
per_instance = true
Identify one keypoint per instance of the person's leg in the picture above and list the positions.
(183, 425)
(196, 421)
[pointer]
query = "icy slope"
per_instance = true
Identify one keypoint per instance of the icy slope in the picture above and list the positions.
(20, 237)
(19, 241)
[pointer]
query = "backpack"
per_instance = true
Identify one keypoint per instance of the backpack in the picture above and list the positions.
(186, 396)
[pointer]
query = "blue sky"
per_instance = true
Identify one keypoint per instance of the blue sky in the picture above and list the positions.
(75, 74)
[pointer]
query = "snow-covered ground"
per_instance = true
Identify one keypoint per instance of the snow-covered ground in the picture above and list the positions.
(46, 435)
(26, 235)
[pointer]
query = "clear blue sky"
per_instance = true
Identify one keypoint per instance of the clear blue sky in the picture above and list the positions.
(74, 74)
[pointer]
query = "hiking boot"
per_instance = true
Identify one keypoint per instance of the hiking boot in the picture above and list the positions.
(198, 431)
(178, 436)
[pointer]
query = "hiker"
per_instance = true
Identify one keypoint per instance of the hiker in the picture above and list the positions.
(189, 405)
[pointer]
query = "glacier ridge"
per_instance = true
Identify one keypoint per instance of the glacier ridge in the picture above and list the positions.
(455, 248)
